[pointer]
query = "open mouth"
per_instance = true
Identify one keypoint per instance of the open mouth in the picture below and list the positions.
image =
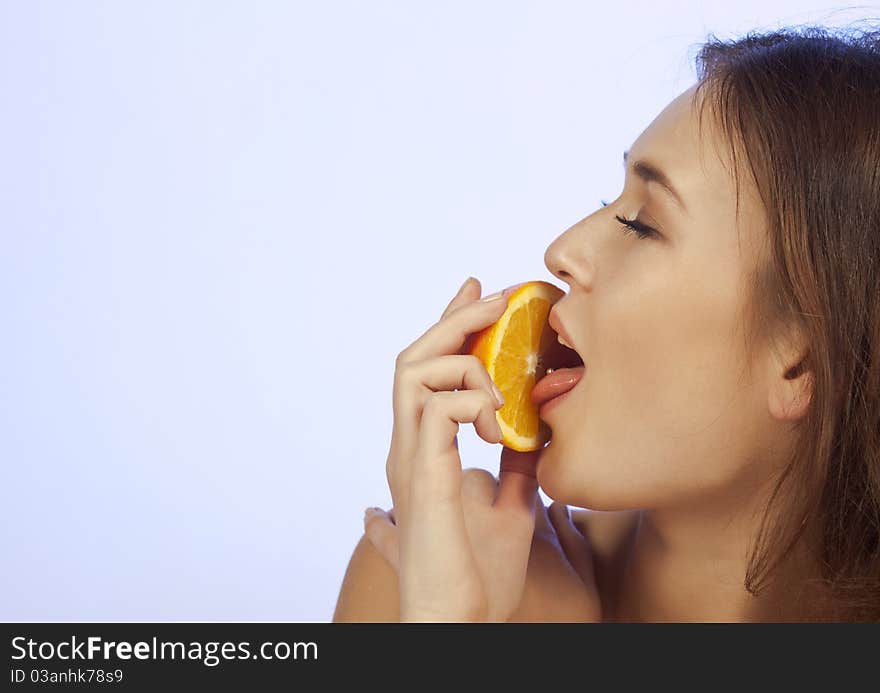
(561, 355)
(564, 369)
(568, 358)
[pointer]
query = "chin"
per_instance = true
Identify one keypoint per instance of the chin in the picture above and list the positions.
(569, 479)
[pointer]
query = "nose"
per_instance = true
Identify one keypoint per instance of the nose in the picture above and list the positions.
(566, 258)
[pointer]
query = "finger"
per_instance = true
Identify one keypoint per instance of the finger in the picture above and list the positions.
(436, 466)
(518, 484)
(449, 372)
(409, 432)
(382, 533)
(416, 384)
(448, 335)
(417, 380)
(465, 406)
(576, 547)
(468, 292)
(434, 538)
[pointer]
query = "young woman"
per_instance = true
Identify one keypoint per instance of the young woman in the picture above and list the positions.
(726, 432)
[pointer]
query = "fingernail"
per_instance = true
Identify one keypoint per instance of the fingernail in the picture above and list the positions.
(498, 396)
(466, 281)
(493, 297)
(369, 512)
(510, 289)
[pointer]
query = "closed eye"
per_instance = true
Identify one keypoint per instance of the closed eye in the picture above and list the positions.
(641, 230)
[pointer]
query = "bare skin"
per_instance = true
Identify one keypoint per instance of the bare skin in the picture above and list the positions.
(562, 561)
(677, 430)
(674, 415)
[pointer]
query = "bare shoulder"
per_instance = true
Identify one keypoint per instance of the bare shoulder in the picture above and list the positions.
(369, 591)
(370, 588)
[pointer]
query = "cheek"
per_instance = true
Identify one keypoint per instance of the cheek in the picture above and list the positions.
(603, 461)
(663, 411)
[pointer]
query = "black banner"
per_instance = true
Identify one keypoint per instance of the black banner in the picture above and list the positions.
(268, 656)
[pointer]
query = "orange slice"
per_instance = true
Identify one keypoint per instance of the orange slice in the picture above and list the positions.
(516, 351)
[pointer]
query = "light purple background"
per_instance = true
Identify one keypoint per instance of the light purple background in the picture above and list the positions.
(220, 224)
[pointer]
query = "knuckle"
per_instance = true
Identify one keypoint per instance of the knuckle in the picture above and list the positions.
(488, 401)
(439, 399)
(477, 475)
(474, 362)
(433, 404)
(479, 483)
(402, 370)
(478, 367)
(402, 358)
(407, 378)
(401, 362)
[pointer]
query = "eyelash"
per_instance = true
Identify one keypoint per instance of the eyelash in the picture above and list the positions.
(634, 226)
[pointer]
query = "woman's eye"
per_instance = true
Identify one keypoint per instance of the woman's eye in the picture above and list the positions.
(635, 226)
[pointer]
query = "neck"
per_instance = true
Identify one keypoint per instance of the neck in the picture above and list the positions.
(690, 565)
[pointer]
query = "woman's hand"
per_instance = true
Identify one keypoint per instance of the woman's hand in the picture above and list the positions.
(560, 583)
(462, 549)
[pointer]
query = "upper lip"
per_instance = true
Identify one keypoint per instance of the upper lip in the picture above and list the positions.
(553, 320)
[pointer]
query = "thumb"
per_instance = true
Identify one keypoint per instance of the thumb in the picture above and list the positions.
(518, 484)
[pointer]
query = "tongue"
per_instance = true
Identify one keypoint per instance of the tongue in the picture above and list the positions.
(556, 383)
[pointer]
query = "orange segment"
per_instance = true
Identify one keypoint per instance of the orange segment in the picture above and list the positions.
(514, 351)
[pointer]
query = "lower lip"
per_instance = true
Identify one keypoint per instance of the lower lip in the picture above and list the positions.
(551, 403)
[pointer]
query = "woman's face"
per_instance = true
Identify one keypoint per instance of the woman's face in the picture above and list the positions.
(668, 412)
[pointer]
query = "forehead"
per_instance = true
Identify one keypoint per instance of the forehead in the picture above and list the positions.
(693, 159)
(696, 157)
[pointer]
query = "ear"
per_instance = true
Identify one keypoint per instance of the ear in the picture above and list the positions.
(790, 387)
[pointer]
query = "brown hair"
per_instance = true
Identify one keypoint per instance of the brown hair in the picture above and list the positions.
(801, 109)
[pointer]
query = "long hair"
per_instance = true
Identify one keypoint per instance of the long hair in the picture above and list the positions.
(800, 109)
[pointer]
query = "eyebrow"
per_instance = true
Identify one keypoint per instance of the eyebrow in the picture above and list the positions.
(649, 172)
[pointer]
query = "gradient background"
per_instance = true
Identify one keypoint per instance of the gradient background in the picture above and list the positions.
(220, 224)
